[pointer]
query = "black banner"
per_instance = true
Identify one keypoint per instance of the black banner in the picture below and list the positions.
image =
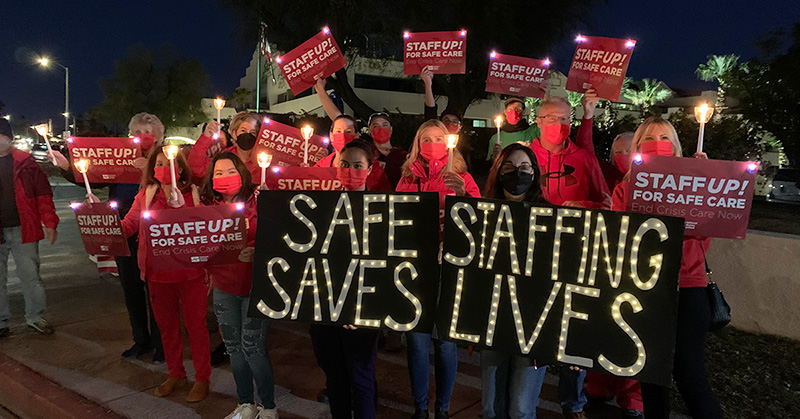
(361, 258)
(597, 289)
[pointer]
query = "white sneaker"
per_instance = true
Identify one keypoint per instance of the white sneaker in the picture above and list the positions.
(244, 411)
(264, 413)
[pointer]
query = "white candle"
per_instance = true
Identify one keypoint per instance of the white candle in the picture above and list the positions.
(452, 140)
(264, 160)
(307, 131)
(42, 130)
(171, 152)
(498, 121)
(83, 166)
(219, 104)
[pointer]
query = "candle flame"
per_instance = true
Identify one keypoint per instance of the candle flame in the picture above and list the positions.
(498, 120)
(171, 151)
(452, 140)
(82, 165)
(307, 132)
(703, 113)
(41, 129)
(264, 159)
(219, 103)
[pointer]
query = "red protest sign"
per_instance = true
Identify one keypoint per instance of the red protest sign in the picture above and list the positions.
(600, 63)
(519, 76)
(194, 237)
(441, 52)
(110, 159)
(303, 179)
(319, 57)
(100, 229)
(287, 146)
(714, 196)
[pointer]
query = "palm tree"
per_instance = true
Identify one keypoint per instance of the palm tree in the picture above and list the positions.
(646, 93)
(717, 68)
(240, 98)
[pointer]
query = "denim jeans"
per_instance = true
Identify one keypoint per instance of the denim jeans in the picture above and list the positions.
(26, 257)
(570, 389)
(511, 385)
(419, 369)
(246, 341)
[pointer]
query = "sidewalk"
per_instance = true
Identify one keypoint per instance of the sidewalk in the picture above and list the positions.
(92, 330)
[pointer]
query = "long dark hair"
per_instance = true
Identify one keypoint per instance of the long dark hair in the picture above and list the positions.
(207, 193)
(494, 183)
(184, 179)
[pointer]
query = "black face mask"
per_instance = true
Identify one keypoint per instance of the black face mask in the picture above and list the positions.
(516, 182)
(246, 141)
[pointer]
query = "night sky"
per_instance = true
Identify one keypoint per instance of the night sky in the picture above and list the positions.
(673, 37)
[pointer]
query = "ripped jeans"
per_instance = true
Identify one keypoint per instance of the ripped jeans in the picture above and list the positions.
(246, 341)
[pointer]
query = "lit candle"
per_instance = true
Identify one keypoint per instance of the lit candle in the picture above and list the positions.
(703, 114)
(452, 140)
(264, 160)
(171, 151)
(42, 130)
(219, 104)
(83, 166)
(498, 121)
(307, 131)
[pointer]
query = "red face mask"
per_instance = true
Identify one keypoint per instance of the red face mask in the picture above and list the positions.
(146, 141)
(433, 151)
(658, 147)
(452, 128)
(623, 162)
(513, 116)
(351, 179)
(227, 185)
(381, 135)
(340, 139)
(555, 134)
(162, 174)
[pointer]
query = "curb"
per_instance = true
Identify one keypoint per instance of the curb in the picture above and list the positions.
(29, 394)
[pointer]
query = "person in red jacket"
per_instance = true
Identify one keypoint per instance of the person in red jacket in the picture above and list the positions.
(227, 182)
(425, 171)
(26, 202)
(243, 131)
(658, 136)
(177, 292)
(571, 175)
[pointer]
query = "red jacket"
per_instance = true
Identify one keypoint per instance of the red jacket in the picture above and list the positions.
(237, 278)
(429, 180)
(204, 150)
(376, 180)
(131, 225)
(572, 174)
(34, 197)
(693, 264)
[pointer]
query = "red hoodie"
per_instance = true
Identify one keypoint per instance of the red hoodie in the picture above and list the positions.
(693, 264)
(34, 197)
(376, 180)
(237, 278)
(131, 225)
(571, 175)
(199, 160)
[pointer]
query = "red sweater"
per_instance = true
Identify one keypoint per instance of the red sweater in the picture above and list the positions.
(572, 174)
(237, 278)
(34, 197)
(693, 264)
(131, 225)
(376, 180)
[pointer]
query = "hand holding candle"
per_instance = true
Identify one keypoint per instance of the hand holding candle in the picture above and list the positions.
(307, 131)
(83, 166)
(41, 129)
(264, 160)
(498, 121)
(452, 140)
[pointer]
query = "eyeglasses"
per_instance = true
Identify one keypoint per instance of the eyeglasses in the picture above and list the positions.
(555, 119)
(508, 167)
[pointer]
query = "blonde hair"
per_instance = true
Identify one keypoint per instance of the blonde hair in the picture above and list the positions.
(458, 166)
(244, 116)
(636, 143)
(625, 136)
(144, 118)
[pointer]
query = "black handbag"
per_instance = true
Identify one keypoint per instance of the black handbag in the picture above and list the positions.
(720, 310)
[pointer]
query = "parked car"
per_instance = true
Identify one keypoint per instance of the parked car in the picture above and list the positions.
(785, 185)
(39, 150)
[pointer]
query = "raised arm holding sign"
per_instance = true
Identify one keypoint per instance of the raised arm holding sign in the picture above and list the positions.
(439, 52)
(317, 58)
(600, 63)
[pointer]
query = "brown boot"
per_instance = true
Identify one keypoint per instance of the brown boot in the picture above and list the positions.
(168, 387)
(198, 393)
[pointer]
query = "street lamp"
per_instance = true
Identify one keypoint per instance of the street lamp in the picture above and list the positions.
(45, 62)
(7, 117)
(702, 114)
